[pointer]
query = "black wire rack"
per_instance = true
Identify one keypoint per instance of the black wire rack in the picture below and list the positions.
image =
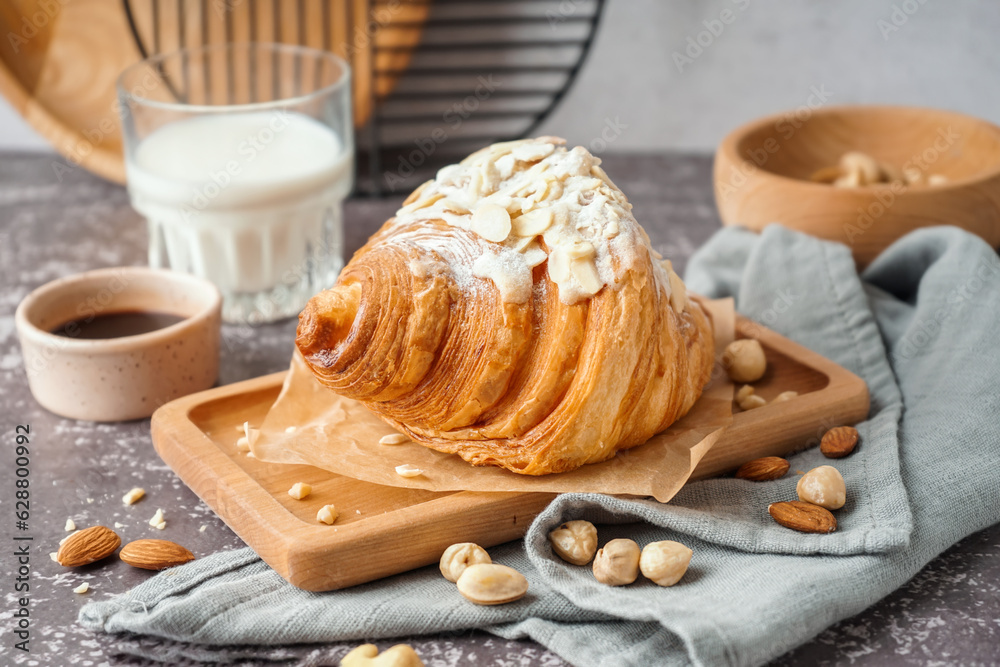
(434, 79)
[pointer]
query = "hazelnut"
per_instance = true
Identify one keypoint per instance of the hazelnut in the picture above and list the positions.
(574, 541)
(823, 486)
(458, 557)
(617, 564)
(744, 360)
(664, 562)
(367, 655)
(489, 584)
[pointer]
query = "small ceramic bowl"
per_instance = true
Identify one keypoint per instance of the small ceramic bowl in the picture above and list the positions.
(763, 170)
(115, 379)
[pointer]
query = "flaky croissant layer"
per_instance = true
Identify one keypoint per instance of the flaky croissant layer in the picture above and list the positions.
(513, 375)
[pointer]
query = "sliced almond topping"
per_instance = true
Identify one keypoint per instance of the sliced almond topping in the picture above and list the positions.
(586, 274)
(678, 293)
(421, 203)
(534, 255)
(611, 229)
(407, 470)
(491, 222)
(82, 588)
(491, 177)
(532, 152)
(393, 439)
(581, 250)
(521, 244)
(559, 271)
(453, 206)
(532, 223)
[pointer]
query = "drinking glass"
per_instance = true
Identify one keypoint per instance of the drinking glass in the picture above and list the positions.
(240, 156)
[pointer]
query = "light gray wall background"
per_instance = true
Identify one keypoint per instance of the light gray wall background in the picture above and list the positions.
(770, 57)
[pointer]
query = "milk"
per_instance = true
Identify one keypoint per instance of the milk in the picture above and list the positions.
(249, 200)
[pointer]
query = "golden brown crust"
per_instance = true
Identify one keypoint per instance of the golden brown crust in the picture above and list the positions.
(537, 387)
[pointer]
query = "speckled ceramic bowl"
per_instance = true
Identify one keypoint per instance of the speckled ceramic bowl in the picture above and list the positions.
(115, 379)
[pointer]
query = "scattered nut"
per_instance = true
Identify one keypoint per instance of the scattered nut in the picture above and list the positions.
(752, 402)
(119, 526)
(489, 583)
(367, 655)
(803, 517)
(839, 442)
(393, 439)
(202, 528)
(744, 360)
(664, 562)
(82, 588)
(158, 521)
(785, 396)
(745, 392)
(617, 564)
(300, 490)
(763, 469)
(154, 554)
(823, 486)
(458, 557)
(87, 546)
(327, 514)
(407, 470)
(574, 541)
(133, 496)
(70, 526)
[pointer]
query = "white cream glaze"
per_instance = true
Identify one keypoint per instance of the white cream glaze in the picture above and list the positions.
(515, 194)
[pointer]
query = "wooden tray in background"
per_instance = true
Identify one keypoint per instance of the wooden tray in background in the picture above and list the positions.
(196, 436)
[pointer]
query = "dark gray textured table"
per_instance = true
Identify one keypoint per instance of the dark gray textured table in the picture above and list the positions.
(948, 614)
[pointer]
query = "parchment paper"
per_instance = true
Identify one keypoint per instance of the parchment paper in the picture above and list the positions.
(310, 424)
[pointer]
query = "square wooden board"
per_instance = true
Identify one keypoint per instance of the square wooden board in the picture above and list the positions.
(196, 436)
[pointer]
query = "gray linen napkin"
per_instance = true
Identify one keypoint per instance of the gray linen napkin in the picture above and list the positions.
(920, 325)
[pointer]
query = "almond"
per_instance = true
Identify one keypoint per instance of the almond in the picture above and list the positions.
(88, 546)
(763, 469)
(155, 554)
(803, 517)
(839, 442)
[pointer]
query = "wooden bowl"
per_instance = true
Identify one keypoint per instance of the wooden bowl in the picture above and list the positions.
(762, 173)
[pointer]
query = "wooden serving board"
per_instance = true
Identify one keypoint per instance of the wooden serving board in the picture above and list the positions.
(196, 436)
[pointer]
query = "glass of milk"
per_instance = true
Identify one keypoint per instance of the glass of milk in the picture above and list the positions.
(240, 156)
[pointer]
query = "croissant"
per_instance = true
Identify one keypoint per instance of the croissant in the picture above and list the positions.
(514, 313)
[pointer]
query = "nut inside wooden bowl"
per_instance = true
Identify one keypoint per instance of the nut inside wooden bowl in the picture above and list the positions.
(763, 170)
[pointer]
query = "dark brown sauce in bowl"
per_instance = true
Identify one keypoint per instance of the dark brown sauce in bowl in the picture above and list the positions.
(116, 325)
